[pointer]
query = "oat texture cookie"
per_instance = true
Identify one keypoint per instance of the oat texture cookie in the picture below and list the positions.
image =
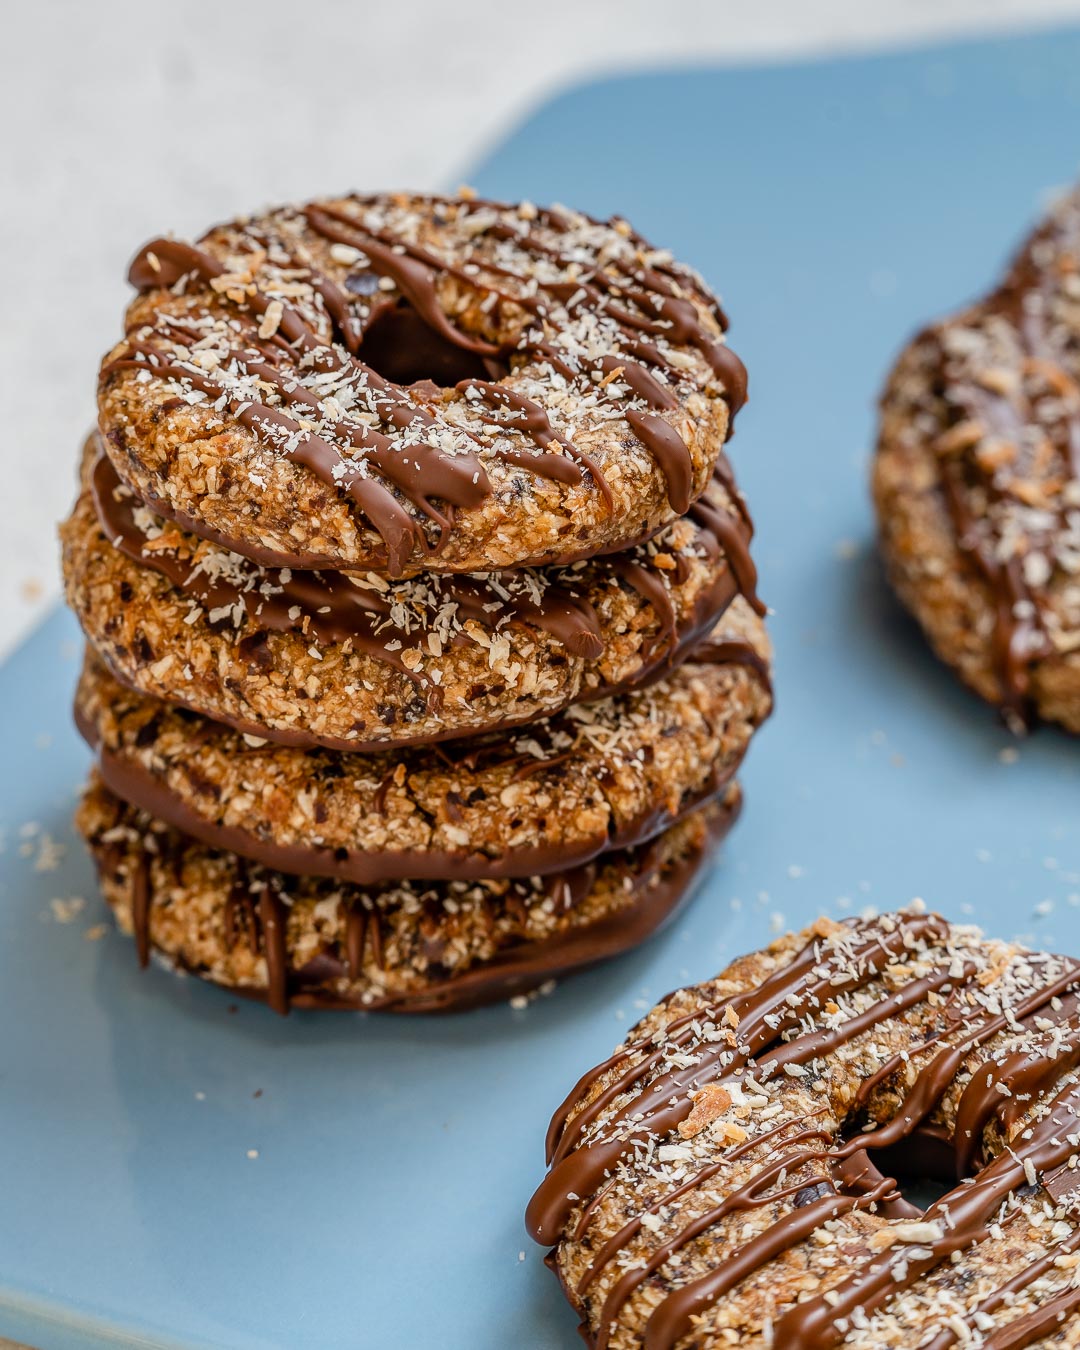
(601, 776)
(406, 383)
(738, 1172)
(305, 941)
(423, 635)
(977, 482)
(359, 662)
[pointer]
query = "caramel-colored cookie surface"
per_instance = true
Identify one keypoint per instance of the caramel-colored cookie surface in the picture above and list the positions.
(727, 1176)
(601, 775)
(977, 482)
(359, 662)
(401, 383)
(409, 948)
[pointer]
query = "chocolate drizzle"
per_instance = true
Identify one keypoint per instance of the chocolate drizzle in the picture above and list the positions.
(140, 908)
(403, 452)
(1017, 1119)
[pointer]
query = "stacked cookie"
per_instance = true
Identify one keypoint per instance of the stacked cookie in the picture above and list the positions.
(423, 642)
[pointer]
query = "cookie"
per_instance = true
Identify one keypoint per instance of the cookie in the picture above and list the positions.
(600, 776)
(727, 1177)
(976, 482)
(359, 662)
(403, 383)
(411, 947)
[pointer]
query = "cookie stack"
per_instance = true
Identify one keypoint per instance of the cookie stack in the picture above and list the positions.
(423, 642)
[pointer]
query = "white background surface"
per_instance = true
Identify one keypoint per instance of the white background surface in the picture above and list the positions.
(128, 118)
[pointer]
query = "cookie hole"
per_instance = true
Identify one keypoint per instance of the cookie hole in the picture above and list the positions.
(401, 347)
(923, 1167)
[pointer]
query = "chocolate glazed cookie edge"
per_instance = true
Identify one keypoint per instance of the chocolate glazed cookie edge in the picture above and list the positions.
(358, 969)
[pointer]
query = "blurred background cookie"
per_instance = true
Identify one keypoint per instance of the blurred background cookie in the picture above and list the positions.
(977, 482)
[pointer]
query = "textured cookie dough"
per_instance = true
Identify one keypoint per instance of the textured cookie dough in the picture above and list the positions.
(716, 1182)
(402, 383)
(976, 482)
(279, 656)
(599, 776)
(413, 947)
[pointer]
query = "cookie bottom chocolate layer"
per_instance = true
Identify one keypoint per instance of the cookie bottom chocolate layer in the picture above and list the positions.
(413, 947)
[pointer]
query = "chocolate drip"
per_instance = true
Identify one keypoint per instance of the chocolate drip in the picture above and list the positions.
(649, 586)
(241, 917)
(140, 907)
(669, 450)
(273, 919)
(734, 540)
(361, 925)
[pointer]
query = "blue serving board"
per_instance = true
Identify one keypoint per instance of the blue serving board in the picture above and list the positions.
(836, 206)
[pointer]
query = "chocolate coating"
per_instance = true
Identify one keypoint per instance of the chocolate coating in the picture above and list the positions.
(608, 776)
(307, 943)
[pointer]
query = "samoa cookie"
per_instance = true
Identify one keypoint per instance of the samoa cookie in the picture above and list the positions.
(412, 947)
(361, 662)
(599, 776)
(728, 1176)
(977, 482)
(401, 383)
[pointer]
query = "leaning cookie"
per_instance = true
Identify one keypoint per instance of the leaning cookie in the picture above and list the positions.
(724, 1177)
(357, 662)
(600, 776)
(413, 947)
(977, 483)
(405, 383)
